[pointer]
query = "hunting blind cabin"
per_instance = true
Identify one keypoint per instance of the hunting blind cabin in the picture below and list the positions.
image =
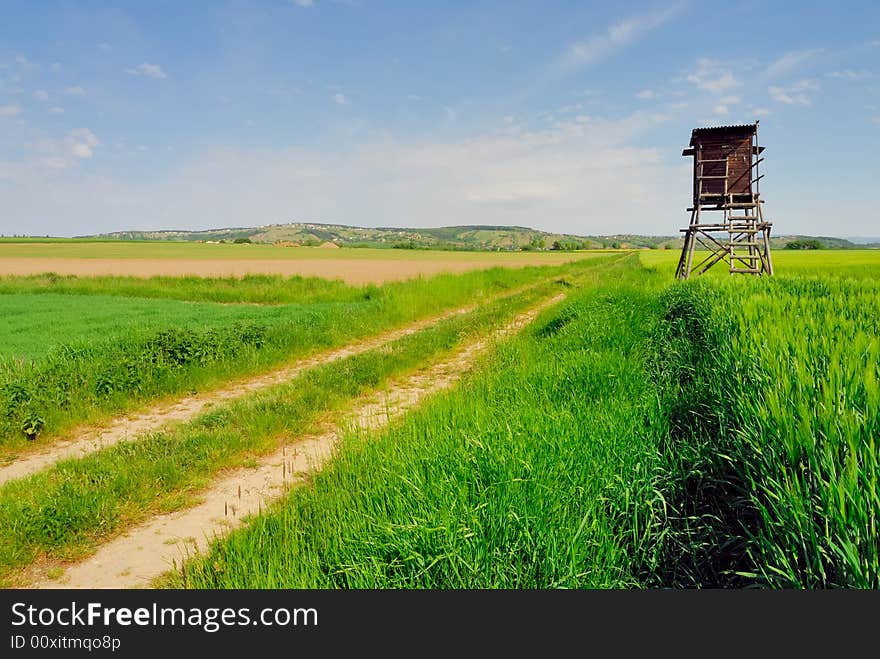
(726, 179)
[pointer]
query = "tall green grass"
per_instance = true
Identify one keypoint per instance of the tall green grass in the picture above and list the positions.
(713, 433)
(537, 472)
(85, 379)
(784, 411)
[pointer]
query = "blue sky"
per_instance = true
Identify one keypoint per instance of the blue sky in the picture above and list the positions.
(563, 116)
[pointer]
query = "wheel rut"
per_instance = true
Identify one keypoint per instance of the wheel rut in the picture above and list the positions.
(81, 442)
(140, 555)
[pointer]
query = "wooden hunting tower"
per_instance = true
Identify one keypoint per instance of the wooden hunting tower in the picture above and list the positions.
(726, 177)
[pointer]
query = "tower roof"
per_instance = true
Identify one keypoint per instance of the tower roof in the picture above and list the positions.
(736, 128)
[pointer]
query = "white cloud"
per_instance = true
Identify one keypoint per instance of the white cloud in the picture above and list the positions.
(56, 67)
(760, 112)
(153, 71)
(724, 103)
(75, 91)
(646, 94)
(573, 107)
(795, 94)
(413, 97)
(78, 144)
(41, 95)
(340, 99)
(306, 4)
(9, 110)
(849, 74)
(451, 114)
(55, 162)
(82, 141)
(713, 76)
(617, 36)
(56, 110)
(790, 61)
(555, 178)
(104, 45)
(21, 60)
(876, 43)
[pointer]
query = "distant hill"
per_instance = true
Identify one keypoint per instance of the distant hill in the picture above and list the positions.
(471, 237)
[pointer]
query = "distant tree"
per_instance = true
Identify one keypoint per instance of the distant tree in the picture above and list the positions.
(615, 245)
(806, 243)
(242, 241)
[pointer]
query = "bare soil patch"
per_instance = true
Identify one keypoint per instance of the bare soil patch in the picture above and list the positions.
(352, 271)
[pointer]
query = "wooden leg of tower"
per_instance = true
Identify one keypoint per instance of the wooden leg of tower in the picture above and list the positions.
(691, 243)
(683, 257)
(692, 234)
(767, 257)
(683, 270)
(679, 270)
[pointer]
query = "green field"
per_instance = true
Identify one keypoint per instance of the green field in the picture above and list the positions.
(190, 250)
(853, 263)
(80, 349)
(644, 433)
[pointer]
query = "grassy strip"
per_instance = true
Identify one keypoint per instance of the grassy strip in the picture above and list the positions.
(83, 382)
(252, 288)
(779, 413)
(63, 512)
(538, 472)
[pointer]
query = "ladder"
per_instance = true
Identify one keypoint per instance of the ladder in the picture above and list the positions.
(743, 248)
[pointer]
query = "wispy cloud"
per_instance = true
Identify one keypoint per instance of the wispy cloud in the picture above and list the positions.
(56, 110)
(724, 103)
(646, 94)
(849, 74)
(41, 95)
(615, 37)
(306, 4)
(9, 110)
(340, 99)
(153, 71)
(795, 94)
(75, 91)
(713, 76)
(790, 61)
